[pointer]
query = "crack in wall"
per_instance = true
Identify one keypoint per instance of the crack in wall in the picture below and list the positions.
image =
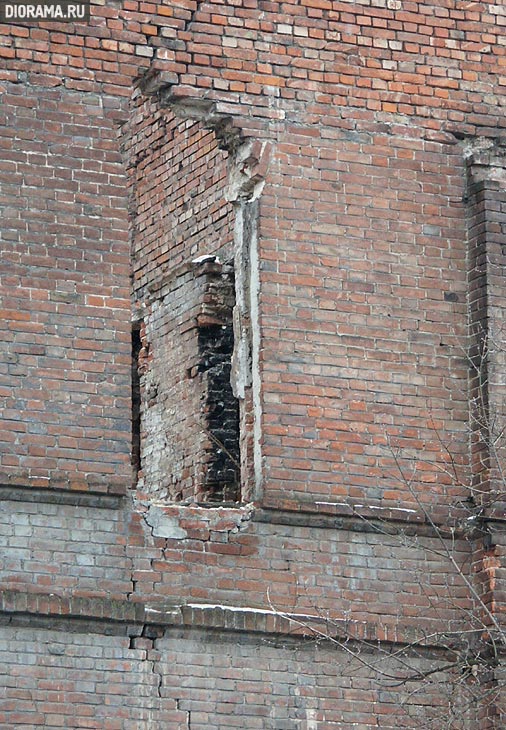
(188, 714)
(158, 674)
(134, 589)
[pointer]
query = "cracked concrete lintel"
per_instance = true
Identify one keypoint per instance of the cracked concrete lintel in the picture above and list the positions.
(168, 521)
(186, 104)
(163, 524)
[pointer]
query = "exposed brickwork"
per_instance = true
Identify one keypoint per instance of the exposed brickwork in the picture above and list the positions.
(73, 548)
(341, 165)
(186, 554)
(188, 414)
(177, 180)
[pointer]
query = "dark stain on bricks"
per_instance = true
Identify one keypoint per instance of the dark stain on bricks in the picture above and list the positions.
(216, 344)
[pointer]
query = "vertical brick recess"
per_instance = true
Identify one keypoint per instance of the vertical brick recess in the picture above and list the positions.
(252, 366)
(487, 208)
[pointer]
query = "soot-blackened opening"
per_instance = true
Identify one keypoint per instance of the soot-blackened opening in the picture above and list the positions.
(216, 345)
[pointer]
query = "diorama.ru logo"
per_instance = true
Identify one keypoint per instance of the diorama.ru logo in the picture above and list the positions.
(47, 10)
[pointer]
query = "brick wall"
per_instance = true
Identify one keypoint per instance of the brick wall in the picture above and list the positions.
(65, 294)
(342, 166)
(363, 330)
(168, 682)
(189, 555)
(177, 177)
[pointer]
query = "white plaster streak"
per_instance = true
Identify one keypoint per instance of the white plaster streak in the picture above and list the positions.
(362, 506)
(255, 356)
(240, 376)
(257, 611)
(164, 611)
(396, 509)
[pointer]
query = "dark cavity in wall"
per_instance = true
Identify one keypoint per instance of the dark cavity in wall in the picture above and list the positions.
(216, 345)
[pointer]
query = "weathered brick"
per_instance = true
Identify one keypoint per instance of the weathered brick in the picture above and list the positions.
(318, 150)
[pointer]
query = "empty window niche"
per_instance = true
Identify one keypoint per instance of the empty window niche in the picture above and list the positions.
(185, 415)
